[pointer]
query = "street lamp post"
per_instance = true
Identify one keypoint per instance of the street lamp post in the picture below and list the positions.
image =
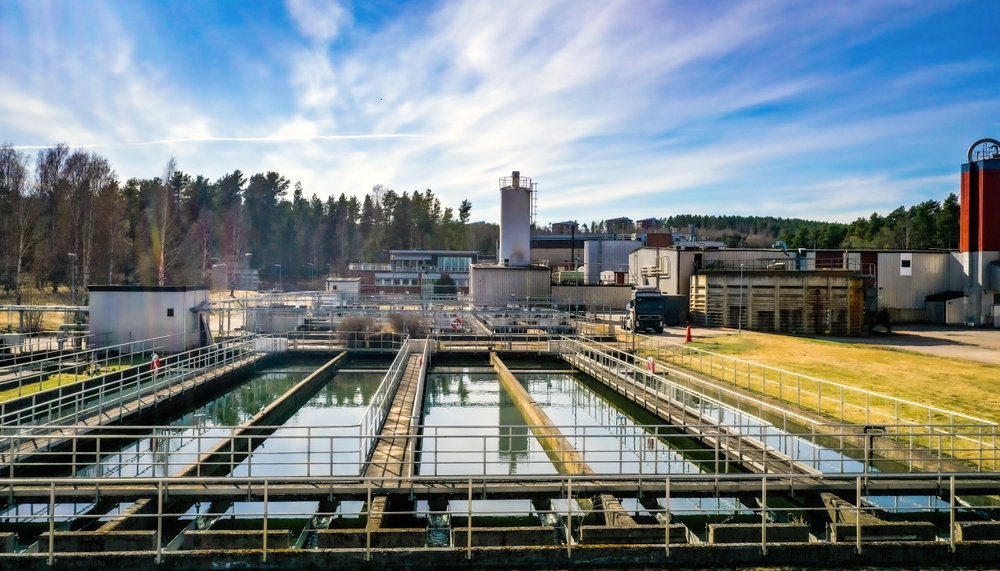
(279, 277)
(73, 286)
(739, 323)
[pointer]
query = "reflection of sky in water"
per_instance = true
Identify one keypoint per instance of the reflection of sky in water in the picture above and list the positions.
(322, 437)
(609, 440)
(484, 433)
(906, 503)
(813, 455)
(339, 402)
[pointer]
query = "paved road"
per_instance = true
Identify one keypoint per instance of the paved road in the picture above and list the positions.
(970, 343)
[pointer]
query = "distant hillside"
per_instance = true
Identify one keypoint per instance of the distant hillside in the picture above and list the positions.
(925, 226)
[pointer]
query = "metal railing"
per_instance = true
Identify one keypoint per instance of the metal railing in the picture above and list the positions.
(70, 403)
(672, 512)
(842, 403)
(790, 264)
(42, 369)
(378, 408)
(620, 449)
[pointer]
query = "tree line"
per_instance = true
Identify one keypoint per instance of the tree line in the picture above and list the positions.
(66, 211)
(926, 226)
(66, 216)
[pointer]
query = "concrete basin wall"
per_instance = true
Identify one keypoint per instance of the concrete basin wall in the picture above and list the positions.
(637, 535)
(236, 539)
(503, 536)
(750, 533)
(99, 541)
(383, 538)
(887, 531)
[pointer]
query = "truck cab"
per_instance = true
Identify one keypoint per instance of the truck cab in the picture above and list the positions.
(644, 311)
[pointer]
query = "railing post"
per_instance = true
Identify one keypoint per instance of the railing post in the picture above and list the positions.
(468, 526)
(159, 521)
(368, 522)
(569, 517)
(666, 516)
(264, 549)
(857, 516)
(52, 523)
(951, 513)
(763, 514)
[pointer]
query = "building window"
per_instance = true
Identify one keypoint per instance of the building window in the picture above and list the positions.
(170, 312)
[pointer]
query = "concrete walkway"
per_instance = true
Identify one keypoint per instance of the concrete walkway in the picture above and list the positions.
(393, 455)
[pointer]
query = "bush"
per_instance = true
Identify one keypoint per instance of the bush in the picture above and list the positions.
(353, 328)
(408, 324)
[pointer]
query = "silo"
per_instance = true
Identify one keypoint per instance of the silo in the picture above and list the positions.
(979, 221)
(515, 220)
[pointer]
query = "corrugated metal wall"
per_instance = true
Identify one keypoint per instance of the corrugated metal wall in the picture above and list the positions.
(819, 303)
(497, 286)
(899, 293)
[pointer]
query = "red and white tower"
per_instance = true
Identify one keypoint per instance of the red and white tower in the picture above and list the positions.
(979, 238)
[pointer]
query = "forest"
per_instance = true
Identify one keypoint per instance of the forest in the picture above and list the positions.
(930, 225)
(66, 212)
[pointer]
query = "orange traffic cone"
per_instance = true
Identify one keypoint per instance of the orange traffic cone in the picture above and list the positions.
(687, 338)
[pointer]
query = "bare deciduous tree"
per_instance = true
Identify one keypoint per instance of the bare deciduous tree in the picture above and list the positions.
(17, 197)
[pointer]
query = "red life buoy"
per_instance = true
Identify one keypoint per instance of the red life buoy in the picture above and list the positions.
(456, 323)
(651, 365)
(155, 362)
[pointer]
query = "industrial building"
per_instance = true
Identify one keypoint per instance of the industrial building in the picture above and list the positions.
(414, 271)
(593, 254)
(834, 291)
(515, 277)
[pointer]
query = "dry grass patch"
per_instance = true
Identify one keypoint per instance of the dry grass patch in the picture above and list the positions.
(961, 386)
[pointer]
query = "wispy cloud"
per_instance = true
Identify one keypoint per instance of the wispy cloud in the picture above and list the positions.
(626, 108)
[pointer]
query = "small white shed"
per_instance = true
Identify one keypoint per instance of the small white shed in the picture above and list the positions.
(124, 314)
(346, 286)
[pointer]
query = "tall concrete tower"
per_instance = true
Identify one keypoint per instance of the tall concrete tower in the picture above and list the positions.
(515, 220)
(979, 236)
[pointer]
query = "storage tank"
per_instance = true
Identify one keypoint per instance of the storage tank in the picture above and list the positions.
(980, 198)
(515, 220)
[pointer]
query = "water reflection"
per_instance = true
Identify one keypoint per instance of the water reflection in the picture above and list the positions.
(289, 452)
(612, 440)
(321, 438)
(471, 427)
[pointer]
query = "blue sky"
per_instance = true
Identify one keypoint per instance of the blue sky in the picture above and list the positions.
(820, 110)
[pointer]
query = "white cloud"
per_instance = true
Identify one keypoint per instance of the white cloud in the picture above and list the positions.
(608, 106)
(319, 20)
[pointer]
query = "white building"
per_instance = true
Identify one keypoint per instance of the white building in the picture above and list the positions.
(127, 314)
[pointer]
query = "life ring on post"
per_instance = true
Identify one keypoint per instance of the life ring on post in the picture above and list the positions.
(154, 363)
(456, 323)
(651, 366)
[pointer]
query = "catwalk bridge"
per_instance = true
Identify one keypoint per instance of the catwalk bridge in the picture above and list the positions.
(123, 466)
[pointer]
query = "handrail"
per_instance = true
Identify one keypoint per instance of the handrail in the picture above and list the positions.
(677, 347)
(618, 449)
